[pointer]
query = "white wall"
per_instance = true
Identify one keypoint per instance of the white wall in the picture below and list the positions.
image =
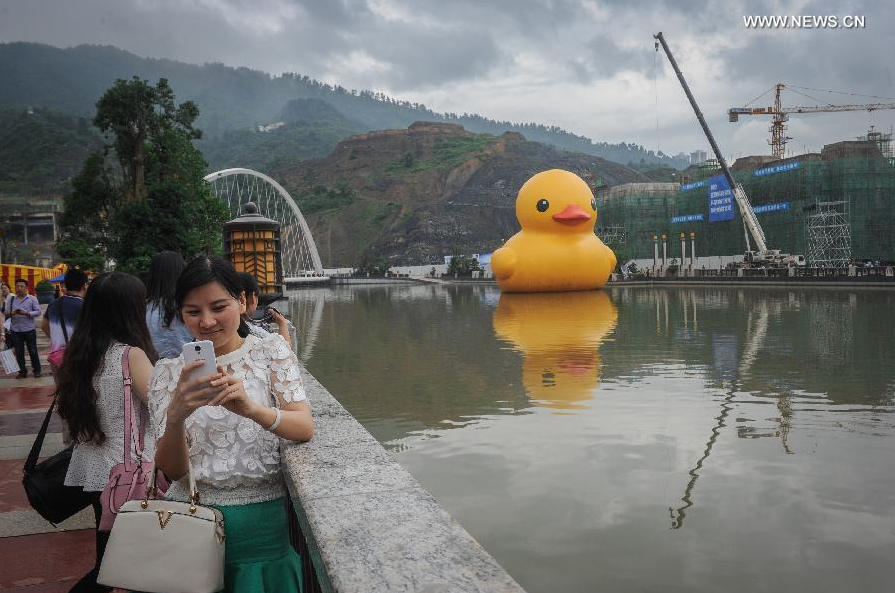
(336, 272)
(419, 270)
(712, 262)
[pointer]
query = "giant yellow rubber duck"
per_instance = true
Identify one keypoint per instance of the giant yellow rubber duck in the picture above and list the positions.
(559, 336)
(556, 250)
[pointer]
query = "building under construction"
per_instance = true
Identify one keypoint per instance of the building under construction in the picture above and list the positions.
(832, 207)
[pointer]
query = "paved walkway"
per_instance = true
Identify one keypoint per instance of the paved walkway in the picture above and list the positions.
(36, 557)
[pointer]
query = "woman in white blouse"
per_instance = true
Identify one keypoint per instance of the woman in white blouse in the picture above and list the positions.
(91, 389)
(229, 425)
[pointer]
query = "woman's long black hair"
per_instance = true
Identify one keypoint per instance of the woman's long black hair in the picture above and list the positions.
(164, 270)
(114, 310)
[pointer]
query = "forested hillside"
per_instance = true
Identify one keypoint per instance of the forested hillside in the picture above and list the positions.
(233, 99)
(305, 129)
(42, 149)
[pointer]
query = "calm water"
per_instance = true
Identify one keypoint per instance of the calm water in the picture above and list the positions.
(636, 439)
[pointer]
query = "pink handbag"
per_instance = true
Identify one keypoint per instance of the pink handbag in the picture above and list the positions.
(128, 480)
(55, 357)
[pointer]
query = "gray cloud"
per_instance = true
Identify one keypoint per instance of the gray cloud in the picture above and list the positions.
(489, 56)
(604, 58)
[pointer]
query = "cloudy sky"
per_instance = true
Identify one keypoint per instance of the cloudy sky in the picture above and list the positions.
(587, 66)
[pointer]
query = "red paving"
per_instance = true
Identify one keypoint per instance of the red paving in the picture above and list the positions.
(60, 559)
(26, 398)
(12, 494)
(27, 423)
(49, 562)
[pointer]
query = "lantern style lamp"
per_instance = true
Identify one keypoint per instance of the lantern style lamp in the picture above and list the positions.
(252, 244)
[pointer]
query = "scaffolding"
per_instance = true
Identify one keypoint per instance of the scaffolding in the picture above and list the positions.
(784, 195)
(829, 235)
(881, 139)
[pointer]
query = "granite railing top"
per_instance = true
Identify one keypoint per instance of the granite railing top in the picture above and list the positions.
(371, 527)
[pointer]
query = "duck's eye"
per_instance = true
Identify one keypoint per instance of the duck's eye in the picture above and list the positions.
(542, 205)
(593, 204)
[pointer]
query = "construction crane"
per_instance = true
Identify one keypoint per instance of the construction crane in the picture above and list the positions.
(762, 256)
(781, 116)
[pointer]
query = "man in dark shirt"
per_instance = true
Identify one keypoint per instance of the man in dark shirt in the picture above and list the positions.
(62, 314)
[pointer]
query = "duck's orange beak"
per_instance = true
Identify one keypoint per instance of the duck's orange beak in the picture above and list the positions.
(571, 215)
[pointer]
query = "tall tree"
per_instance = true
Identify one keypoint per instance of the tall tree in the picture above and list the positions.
(155, 199)
(88, 212)
(134, 112)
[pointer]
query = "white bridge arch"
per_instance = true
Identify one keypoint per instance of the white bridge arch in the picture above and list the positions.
(236, 187)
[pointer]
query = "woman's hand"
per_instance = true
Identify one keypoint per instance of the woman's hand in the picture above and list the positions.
(232, 395)
(191, 394)
(278, 318)
(282, 324)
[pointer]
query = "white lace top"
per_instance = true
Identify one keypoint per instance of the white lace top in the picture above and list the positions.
(235, 461)
(91, 463)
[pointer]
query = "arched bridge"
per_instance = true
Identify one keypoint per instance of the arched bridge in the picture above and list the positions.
(236, 187)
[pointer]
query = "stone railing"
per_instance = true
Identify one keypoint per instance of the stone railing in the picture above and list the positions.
(367, 525)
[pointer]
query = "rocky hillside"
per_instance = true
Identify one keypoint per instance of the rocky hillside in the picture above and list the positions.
(413, 196)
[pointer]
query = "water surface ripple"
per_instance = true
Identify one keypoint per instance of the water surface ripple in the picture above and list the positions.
(635, 439)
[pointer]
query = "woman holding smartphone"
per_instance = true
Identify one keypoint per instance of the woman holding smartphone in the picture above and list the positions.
(228, 426)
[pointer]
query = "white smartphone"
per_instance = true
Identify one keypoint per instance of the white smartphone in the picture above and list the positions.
(203, 349)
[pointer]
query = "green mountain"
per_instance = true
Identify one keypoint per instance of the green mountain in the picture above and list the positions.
(41, 149)
(239, 98)
(305, 129)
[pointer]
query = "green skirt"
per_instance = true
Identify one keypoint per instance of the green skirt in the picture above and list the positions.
(258, 557)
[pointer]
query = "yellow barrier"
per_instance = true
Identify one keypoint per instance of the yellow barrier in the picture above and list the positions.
(9, 273)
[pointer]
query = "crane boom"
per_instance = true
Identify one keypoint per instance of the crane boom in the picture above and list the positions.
(734, 111)
(781, 115)
(739, 194)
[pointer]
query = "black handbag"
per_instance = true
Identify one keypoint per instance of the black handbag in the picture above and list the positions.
(44, 482)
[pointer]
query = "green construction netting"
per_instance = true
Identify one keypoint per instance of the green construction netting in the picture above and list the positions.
(783, 201)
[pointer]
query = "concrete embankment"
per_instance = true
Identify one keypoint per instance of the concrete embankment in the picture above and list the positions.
(368, 524)
(837, 281)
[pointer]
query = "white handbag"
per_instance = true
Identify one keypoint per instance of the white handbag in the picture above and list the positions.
(163, 546)
(10, 364)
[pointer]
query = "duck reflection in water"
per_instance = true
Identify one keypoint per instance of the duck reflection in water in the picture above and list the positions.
(559, 336)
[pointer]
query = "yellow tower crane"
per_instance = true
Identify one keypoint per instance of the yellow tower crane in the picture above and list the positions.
(780, 115)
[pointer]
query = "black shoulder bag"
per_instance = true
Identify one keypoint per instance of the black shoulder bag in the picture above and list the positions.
(44, 482)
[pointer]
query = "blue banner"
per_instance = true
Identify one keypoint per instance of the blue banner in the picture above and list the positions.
(776, 169)
(693, 185)
(688, 218)
(777, 207)
(720, 199)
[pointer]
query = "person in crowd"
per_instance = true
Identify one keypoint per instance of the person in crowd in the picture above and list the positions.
(228, 427)
(250, 288)
(59, 320)
(91, 388)
(4, 297)
(23, 309)
(167, 330)
(4, 326)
